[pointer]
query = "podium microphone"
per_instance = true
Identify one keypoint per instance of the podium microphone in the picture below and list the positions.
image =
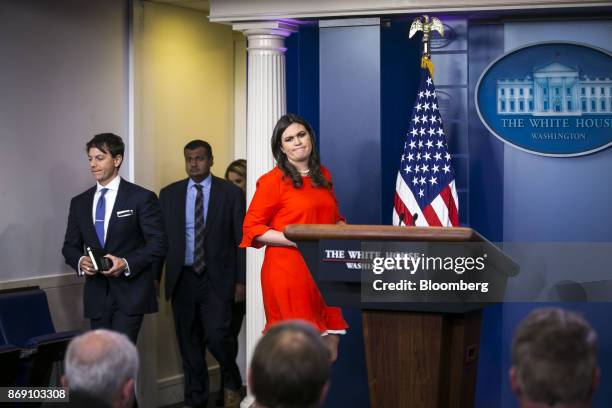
(414, 219)
(401, 219)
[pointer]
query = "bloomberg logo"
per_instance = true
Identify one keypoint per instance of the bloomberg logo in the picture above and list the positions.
(550, 99)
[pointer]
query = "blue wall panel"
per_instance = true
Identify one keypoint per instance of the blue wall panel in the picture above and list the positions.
(302, 74)
(349, 377)
(558, 199)
(486, 207)
(349, 74)
(400, 65)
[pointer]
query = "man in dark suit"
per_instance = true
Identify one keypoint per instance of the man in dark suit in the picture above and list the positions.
(125, 221)
(204, 271)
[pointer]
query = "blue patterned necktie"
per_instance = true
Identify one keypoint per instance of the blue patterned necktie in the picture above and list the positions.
(198, 247)
(100, 214)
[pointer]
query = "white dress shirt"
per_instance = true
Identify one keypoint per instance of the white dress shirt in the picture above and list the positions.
(110, 197)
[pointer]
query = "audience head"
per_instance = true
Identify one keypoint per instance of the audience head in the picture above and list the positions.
(290, 367)
(236, 173)
(102, 364)
(554, 360)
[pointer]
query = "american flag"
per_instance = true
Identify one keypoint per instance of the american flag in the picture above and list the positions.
(425, 193)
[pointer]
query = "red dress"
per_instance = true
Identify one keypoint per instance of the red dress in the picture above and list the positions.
(289, 292)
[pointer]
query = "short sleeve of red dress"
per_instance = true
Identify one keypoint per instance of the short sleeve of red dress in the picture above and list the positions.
(289, 291)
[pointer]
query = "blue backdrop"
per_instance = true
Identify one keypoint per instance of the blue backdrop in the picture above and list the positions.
(356, 85)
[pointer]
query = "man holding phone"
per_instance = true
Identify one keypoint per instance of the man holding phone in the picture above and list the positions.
(122, 221)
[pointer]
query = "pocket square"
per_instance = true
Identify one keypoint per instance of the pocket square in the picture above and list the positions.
(124, 213)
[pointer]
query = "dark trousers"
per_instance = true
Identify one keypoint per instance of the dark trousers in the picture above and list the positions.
(115, 319)
(202, 320)
(238, 313)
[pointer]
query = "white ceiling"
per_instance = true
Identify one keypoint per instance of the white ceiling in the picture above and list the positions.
(202, 5)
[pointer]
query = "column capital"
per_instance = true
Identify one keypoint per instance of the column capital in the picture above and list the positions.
(275, 28)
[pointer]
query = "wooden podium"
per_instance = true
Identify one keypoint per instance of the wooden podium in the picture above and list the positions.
(418, 354)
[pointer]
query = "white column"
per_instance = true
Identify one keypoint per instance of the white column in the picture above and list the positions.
(265, 105)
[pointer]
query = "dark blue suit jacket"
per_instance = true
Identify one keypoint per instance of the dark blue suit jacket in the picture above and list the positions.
(225, 262)
(139, 238)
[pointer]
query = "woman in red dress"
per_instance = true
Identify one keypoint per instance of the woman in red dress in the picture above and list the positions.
(297, 191)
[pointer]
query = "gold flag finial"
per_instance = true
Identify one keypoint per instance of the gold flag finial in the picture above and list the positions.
(426, 25)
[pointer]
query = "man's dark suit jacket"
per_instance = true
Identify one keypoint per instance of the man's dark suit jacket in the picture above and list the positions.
(225, 264)
(139, 238)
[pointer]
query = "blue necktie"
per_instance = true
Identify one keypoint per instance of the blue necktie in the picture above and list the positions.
(100, 214)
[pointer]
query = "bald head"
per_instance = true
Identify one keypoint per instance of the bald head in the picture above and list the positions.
(92, 346)
(101, 363)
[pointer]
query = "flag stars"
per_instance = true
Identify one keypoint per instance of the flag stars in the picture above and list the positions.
(426, 166)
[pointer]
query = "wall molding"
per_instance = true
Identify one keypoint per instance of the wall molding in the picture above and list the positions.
(45, 282)
(247, 10)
